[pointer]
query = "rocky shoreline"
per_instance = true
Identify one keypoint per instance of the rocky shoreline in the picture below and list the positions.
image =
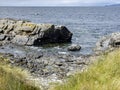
(20, 41)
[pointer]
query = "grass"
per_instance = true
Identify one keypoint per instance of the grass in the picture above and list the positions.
(104, 74)
(13, 78)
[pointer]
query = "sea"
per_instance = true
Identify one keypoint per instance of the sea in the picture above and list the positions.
(88, 24)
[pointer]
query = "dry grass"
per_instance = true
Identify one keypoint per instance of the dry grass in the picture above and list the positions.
(104, 74)
(13, 78)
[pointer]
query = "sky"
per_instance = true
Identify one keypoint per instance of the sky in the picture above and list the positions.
(57, 2)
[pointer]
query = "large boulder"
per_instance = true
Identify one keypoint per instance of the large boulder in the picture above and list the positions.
(54, 34)
(27, 33)
(107, 42)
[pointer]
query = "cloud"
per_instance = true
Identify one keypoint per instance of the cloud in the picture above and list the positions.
(55, 2)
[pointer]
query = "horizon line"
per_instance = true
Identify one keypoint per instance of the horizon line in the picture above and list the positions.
(58, 6)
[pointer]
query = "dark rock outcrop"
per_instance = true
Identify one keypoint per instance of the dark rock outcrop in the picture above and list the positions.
(27, 33)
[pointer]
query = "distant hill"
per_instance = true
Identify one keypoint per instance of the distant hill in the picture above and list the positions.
(114, 5)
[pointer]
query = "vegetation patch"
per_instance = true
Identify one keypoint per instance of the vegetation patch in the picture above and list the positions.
(13, 78)
(104, 74)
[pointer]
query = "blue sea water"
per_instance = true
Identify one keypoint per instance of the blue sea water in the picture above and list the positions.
(87, 24)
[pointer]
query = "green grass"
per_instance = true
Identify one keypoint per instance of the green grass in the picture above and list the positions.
(13, 78)
(104, 74)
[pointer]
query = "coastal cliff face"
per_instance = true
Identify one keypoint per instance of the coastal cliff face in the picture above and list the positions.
(23, 32)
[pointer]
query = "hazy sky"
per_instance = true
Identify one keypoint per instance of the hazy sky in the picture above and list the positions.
(56, 2)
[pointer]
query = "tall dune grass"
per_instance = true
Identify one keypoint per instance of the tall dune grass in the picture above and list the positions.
(104, 74)
(13, 78)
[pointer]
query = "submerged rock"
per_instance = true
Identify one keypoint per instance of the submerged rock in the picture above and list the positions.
(27, 33)
(74, 47)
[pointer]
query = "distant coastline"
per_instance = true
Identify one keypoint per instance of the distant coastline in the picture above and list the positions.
(117, 5)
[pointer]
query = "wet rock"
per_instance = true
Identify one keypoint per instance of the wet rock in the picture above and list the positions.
(50, 34)
(74, 47)
(64, 35)
(108, 42)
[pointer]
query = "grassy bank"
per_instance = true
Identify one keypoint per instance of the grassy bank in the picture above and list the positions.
(104, 74)
(13, 78)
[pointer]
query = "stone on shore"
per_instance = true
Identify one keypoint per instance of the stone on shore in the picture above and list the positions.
(107, 42)
(74, 47)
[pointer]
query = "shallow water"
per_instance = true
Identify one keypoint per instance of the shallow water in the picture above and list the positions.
(87, 24)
